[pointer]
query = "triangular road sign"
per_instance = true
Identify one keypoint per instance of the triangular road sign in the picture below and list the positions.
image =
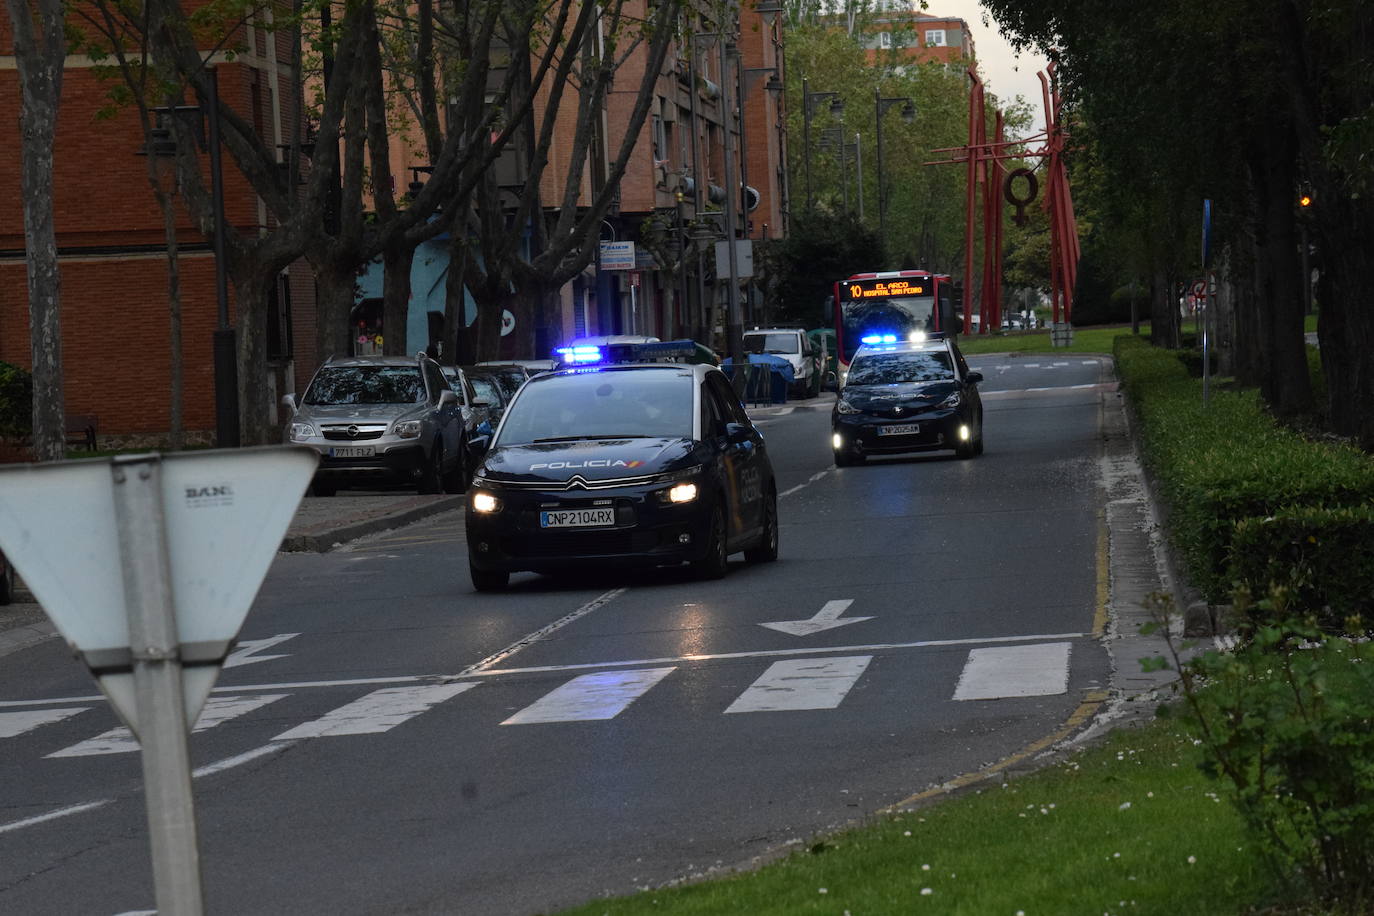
(224, 511)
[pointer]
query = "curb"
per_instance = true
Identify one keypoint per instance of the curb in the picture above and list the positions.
(325, 536)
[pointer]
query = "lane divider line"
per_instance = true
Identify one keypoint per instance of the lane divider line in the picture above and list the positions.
(530, 639)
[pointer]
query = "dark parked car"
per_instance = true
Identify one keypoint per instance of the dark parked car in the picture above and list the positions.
(488, 387)
(509, 377)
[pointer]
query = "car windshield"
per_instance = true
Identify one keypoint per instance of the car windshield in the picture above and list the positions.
(772, 343)
(341, 385)
(601, 405)
(486, 390)
(899, 368)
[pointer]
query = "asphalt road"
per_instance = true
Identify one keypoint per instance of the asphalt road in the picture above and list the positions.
(387, 741)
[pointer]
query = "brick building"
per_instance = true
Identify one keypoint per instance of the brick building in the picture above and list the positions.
(906, 33)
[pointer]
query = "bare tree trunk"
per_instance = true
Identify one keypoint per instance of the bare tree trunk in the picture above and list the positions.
(460, 343)
(1285, 384)
(334, 298)
(397, 260)
(40, 59)
(176, 435)
(252, 289)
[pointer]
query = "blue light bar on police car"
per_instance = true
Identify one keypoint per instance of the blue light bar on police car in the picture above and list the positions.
(584, 354)
(878, 338)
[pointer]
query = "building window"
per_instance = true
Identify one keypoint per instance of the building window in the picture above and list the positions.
(935, 38)
(885, 40)
(279, 342)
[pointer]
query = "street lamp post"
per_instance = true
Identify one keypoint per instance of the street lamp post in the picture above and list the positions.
(809, 101)
(908, 115)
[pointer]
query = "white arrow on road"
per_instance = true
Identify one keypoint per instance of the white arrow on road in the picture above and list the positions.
(827, 618)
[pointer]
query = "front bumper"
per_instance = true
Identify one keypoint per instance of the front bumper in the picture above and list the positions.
(932, 430)
(401, 460)
(647, 532)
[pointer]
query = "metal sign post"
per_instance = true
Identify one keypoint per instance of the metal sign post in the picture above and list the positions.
(1205, 310)
(156, 658)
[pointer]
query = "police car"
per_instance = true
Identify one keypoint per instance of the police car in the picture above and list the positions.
(650, 462)
(907, 395)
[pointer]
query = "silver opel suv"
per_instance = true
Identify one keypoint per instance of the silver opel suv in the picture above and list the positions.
(381, 420)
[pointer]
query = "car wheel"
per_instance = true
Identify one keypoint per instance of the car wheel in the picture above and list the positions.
(488, 580)
(323, 488)
(432, 477)
(966, 450)
(978, 449)
(713, 563)
(766, 550)
(456, 480)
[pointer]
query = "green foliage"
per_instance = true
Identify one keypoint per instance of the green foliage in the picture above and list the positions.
(16, 402)
(1285, 722)
(1321, 558)
(1226, 462)
(803, 268)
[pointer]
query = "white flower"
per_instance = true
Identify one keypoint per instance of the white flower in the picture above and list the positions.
(822, 890)
(906, 833)
(1192, 860)
(1123, 806)
(1149, 795)
(926, 892)
(925, 868)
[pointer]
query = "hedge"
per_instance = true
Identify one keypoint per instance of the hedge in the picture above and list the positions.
(1227, 462)
(16, 402)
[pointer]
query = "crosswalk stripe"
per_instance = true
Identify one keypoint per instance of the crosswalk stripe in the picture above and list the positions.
(1015, 671)
(379, 711)
(802, 684)
(122, 741)
(17, 723)
(604, 695)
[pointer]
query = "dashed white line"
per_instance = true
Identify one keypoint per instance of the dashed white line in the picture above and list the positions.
(812, 479)
(54, 815)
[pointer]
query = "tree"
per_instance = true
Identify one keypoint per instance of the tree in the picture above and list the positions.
(40, 50)
(801, 269)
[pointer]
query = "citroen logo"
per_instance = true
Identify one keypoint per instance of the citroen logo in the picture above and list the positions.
(576, 482)
(353, 432)
(897, 411)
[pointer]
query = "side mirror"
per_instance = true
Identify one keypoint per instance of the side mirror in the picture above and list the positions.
(737, 433)
(974, 377)
(448, 397)
(289, 402)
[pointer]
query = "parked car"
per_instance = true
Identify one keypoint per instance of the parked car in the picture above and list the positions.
(793, 345)
(488, 388)
(510, 377)
(381, 419)
(478, 424)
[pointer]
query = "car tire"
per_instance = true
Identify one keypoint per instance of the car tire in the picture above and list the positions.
(978, 449)
(432, 476)
(456, 480)
(966, 450)
(714, 562)
(766, 550)
(488, 580)
(322, 488)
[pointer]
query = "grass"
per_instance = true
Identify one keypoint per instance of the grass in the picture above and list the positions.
(1085, 340)
(1129, 826)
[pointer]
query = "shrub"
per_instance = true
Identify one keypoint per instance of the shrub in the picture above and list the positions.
(16, 402)
(1284, 723)
(1322, 558)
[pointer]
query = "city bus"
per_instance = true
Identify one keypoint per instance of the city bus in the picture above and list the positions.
(894, 304)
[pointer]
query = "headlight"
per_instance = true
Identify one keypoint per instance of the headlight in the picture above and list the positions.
(682, 493)
(408, 429)
(301, 431)
(954, 400)
(485, 503)
(844, 406)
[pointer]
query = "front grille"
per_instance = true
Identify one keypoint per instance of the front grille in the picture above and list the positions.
(352, 433)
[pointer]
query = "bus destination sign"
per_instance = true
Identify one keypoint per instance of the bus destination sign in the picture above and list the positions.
(885, 289)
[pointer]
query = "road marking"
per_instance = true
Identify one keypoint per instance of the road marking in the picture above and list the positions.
(795, 685)
(1030, 365)
(122, 741)
(590, 697)
(812, 479)
(54, 815)
(529, 639)
(1058, 364)
(17, 723)
(244, 654)
(1015, 671)
(827, 618)
(229, 763)
(1090, 362)
(379, 711)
